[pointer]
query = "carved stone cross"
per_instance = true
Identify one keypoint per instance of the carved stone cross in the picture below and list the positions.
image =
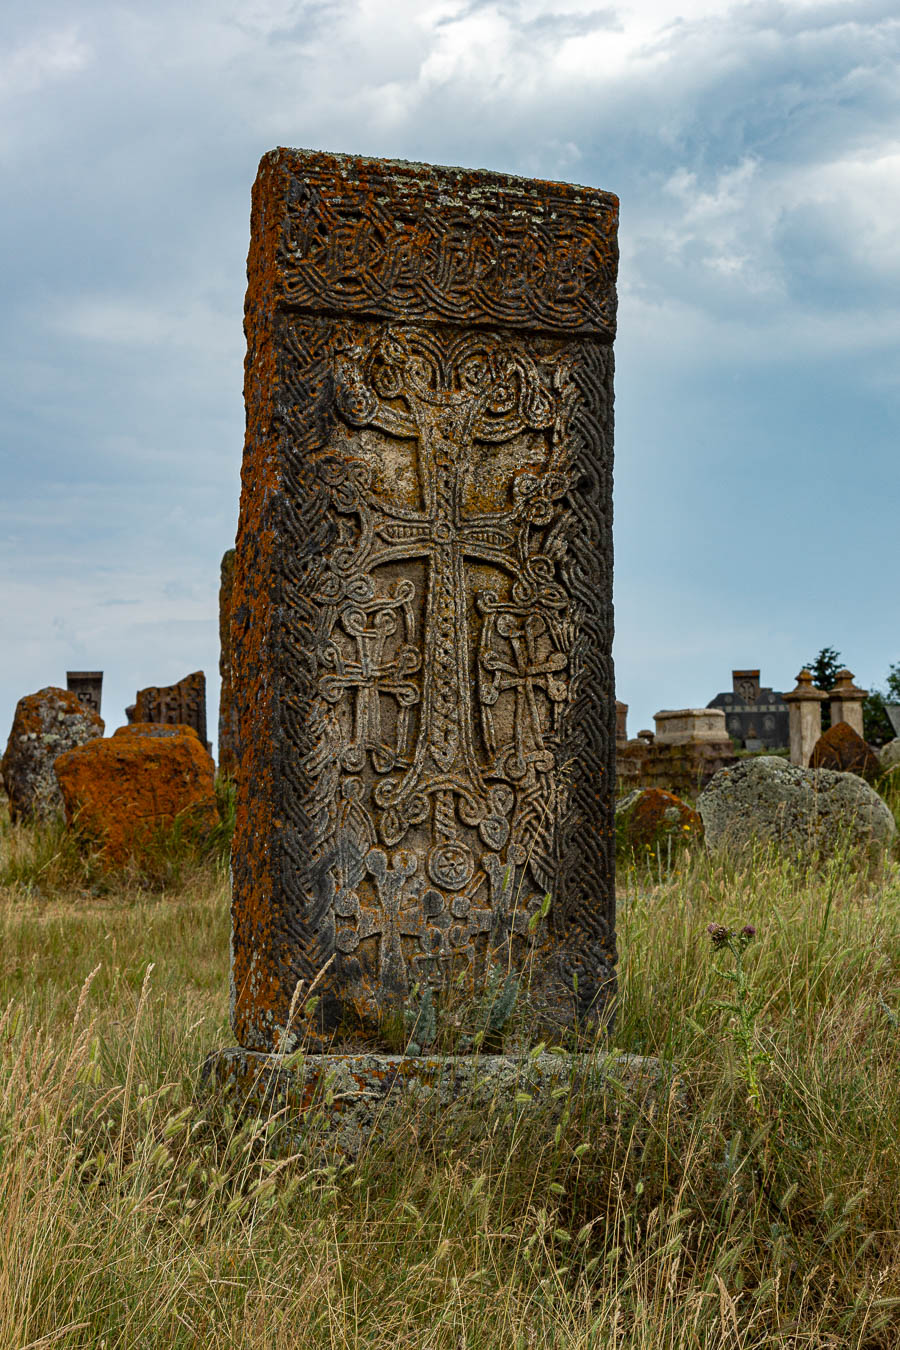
(422, 605)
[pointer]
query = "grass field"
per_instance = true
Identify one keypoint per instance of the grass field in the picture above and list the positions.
(754, 1203)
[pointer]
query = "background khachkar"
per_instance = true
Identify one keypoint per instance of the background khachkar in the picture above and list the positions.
(422, 615)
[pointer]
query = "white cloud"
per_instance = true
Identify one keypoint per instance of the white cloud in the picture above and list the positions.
(42, 59)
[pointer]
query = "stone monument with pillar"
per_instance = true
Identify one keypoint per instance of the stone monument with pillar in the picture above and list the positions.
(422, 608)
(805, 714)
(846, 701)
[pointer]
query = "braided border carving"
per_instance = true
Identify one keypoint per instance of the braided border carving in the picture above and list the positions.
(398, 241)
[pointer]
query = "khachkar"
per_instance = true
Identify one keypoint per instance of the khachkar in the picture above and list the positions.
(422, 618)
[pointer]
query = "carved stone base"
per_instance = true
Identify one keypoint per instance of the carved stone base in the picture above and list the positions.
(356, 1096)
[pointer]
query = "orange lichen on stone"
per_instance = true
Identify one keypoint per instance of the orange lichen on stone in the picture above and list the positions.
(649, 816)
(45, 724)
(121, 791)
(157, 730)
(843, 749)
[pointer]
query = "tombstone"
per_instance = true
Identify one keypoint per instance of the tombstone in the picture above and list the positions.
(228, 739)
(756, 717)
(893, 712)
(45, 725)
(87, 686)
(685, 726)
(422, 620)
(182, 703)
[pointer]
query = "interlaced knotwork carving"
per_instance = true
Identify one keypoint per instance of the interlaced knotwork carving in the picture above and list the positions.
(444, 641)
(422, 615)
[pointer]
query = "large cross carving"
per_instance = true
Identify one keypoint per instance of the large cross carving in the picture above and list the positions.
(411, 388)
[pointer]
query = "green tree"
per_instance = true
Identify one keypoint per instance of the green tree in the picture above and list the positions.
(877, 727)
(825, 668)
(824, 672)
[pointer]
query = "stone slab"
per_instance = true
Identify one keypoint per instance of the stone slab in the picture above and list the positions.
(228, 730)
(422, 613)
(87, 686)
(355, 1096)
(683, 726)
(183, 703)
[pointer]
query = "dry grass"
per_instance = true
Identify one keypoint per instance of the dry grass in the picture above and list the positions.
(137, 1215)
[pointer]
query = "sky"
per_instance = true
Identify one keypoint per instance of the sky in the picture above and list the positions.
(755, 148)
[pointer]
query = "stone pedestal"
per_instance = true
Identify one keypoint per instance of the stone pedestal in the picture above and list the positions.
(685, 726)
(846, 702)
(353, 1097)
(805, 711)
(422, 618)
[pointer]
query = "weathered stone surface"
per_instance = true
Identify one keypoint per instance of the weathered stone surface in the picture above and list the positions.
(422, 617)
(621, 722)
(364, 1090)
(45, 724)
(648, 817)
(845, 702)
(683, 769)
(228, 724)
(87, 685)
(121, 791)
(687, 726)
(844, 750)
(156, 730)
(805, 717)
(174, 704)
(889, 755)
(800, 810)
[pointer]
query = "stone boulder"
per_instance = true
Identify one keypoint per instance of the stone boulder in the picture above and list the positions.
(799, 810)
(844, 750)
(889, 755)
(121, 791)
(649, 817)
(157, 730)
(45, 724)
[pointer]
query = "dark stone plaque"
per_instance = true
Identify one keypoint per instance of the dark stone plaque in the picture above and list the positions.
(87, 686)
(422, 612)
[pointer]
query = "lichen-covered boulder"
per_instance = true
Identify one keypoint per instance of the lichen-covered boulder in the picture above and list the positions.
(844, 750)
(889, 755)
(157, 730)
(649, 817)
(45, 724)
(120, 792)
(799, 810)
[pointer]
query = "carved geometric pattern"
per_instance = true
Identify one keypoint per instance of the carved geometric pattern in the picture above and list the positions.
(422, 627)
(406, 241)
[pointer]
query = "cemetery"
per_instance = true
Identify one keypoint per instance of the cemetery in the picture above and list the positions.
(436, 1010)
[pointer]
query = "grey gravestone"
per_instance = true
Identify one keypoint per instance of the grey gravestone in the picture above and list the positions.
(422, 615)
(893, 712)
(87, 686)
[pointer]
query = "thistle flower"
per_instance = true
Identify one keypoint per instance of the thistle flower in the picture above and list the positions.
(718, 934)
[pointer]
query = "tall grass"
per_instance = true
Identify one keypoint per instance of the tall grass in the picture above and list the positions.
(138, 1213)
